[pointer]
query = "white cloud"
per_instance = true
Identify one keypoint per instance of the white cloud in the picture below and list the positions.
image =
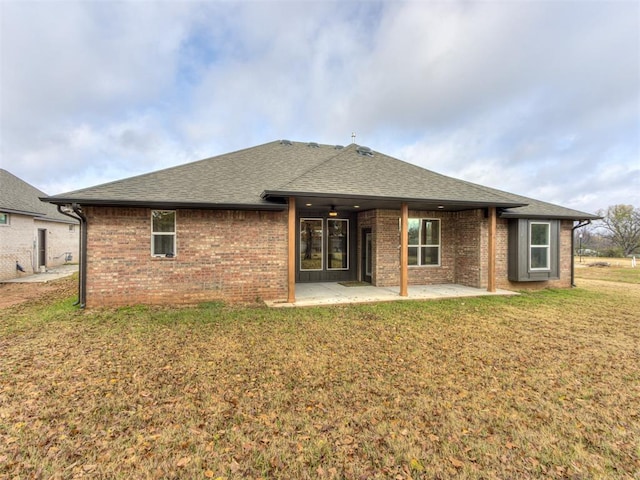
(540, 98)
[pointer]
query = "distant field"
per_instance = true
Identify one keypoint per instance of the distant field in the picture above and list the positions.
(620, 269)
(542, 385)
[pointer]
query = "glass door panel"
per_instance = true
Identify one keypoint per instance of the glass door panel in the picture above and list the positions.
(311, 244)
(338, 248)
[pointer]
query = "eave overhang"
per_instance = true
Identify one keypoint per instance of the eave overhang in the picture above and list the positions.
(22, 212)
(542, 216)
(168, 205)
(369, 201)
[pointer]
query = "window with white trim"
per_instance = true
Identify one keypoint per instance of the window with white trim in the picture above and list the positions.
(163, 233)
(424, 241)
(4, 219)
(534, 250)
(540, 245)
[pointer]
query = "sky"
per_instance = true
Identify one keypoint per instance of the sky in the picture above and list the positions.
(539, 98)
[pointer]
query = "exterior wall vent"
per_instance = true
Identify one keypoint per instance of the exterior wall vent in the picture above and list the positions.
(313, 145)
(365, 151)
(286, 142)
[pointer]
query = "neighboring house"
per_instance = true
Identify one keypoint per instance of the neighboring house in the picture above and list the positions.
(33, 234)
(249, 225)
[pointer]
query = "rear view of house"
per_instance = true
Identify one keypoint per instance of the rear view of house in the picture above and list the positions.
(34, 236)
(254, 223)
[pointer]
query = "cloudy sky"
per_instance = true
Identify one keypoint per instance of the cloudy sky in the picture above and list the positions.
(540, 98)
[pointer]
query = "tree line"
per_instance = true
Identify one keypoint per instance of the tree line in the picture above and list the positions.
(616, 234)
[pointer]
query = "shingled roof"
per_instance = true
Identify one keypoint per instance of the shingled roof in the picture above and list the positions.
(18, 197)
(264, 176)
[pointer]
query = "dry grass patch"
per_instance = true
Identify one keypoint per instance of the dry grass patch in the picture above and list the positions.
(545, 385)
(618, 270)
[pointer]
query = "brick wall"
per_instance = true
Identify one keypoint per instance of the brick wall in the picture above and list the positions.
(386, 252)
(459, 256)
(234, 256)
(18, 243)
(470, 247)
(464, 250)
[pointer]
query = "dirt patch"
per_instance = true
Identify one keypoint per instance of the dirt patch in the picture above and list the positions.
(13, 294)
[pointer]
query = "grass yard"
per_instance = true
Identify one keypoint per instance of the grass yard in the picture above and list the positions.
(619, 269)
(543, 385)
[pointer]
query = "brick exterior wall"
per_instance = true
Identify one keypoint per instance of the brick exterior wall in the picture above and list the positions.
(470, 247)
(238, 256)
(464, 250)
(18, 242)
(235, 256)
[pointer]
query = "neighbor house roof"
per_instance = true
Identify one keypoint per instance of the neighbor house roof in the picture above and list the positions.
(18, 197)
(264, 176)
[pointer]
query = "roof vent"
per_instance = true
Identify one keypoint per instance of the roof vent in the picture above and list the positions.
(286, 142)
(313, 145)
(338, 147)
(366, 151)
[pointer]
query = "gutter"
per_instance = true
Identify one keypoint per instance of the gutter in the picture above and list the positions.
(78, 219)
(584, 223)
(166, 205)
(82, 278)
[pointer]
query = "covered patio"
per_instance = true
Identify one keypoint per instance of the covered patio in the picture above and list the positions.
(332, 293)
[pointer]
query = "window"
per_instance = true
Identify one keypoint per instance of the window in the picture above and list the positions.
(72, 228)
(539, 246)
(534, 250)
(4, 219)
(424, 241)
(311, 243)
(163, 233)
(338, 254)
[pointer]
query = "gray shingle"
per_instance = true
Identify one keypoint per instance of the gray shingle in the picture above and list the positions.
(17, 196)
(256, 176)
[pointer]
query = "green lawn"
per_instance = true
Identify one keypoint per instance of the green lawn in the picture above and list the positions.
(543, 385)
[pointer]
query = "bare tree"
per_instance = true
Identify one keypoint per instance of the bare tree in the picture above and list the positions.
(622, 226)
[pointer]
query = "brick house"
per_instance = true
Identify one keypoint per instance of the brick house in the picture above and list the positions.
(250, 225)
(33, 235)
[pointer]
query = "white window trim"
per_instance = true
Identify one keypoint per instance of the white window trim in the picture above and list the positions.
(419, 246)
(547, 246)
(153, 234)
(8, 222)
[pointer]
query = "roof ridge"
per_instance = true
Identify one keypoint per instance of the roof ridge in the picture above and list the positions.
(322, 162)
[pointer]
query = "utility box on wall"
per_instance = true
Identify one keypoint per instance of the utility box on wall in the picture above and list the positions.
(534, 247)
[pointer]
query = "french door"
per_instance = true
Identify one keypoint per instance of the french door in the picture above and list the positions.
(324, 249)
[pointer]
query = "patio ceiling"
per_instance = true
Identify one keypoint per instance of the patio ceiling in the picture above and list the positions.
(350, 204)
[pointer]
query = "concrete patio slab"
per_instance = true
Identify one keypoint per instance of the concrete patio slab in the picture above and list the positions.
(54, 273)
(329, 293)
